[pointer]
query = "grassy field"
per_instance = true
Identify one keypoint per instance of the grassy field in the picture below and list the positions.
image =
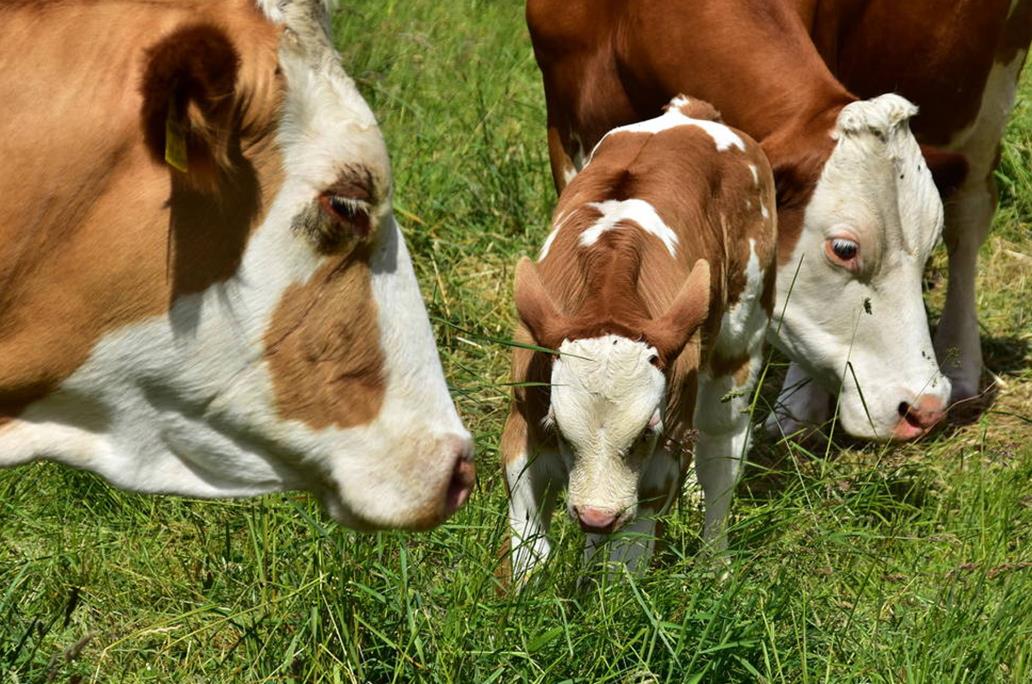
(850, 564)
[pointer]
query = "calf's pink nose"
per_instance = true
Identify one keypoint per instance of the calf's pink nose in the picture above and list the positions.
(597, 520)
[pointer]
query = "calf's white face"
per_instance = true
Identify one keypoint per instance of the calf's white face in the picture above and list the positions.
(850, 294)
(607, 400)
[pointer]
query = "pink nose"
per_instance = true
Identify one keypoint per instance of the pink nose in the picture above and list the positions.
(597, 520)
(919, 417)
(464, 476)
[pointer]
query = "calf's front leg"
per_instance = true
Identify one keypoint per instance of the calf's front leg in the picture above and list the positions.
(533, 477)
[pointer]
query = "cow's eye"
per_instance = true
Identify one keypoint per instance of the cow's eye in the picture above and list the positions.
(349, 212)
(844, 252)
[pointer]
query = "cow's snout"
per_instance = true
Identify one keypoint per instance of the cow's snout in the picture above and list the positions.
(463, 475)
(919, 417)
(596, 520)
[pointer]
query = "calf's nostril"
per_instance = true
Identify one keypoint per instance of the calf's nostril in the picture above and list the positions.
(903, 409)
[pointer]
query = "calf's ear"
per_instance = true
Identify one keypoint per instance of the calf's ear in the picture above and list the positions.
(188, 102)
(689, 310)
(949, 169)
(535, 307)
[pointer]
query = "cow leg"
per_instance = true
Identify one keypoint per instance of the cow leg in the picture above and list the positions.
(802, 403)
(533, 481)
(969, 214)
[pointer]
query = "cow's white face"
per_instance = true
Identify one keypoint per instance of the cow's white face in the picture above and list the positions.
(851, 291)
(312, 364)
(606, 407)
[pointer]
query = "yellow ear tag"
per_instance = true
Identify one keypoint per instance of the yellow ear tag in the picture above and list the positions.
(175, 139)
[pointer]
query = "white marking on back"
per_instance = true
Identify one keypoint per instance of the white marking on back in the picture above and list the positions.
(755, 174)
(637, 210)
(559, 221)
(763, 211)
(723, 137)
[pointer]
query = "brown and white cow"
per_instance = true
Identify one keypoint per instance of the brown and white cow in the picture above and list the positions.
(203, 289)
(666, 238)
(959, 62)
(858, 210)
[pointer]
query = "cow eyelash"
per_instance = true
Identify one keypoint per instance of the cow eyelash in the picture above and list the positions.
(348, 211)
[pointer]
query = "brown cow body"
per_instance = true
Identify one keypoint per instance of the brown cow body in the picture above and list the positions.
(608, 63)
(620, 287)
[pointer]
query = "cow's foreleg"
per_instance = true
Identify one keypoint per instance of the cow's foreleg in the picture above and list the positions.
(533, 479)
(969, 214)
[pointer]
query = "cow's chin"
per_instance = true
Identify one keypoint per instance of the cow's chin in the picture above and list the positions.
(416, 519)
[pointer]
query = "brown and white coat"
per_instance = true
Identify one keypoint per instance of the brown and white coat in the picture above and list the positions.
(655, 286)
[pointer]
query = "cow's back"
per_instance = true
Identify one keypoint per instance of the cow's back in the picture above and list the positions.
(937, 54)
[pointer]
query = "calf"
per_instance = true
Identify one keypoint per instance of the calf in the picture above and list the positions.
(655, 287)
(858, 211)
(203, 290)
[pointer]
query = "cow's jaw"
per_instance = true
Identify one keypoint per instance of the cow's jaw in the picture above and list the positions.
(865, 333)
(605, 393)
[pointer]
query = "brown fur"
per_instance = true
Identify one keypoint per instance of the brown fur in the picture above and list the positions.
(324, 370)
(937, 54)
(98, 233)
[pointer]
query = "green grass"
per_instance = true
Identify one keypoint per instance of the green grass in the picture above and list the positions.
(851, 564)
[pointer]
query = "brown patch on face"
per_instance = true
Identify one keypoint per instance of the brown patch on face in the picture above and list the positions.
(98, 234)
(323, 347)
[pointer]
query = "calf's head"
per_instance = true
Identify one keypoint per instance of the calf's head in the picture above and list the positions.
(850, 306)
(608, 391)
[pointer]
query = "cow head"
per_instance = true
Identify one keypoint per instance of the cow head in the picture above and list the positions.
(850, 307)
(275, 337)
(608, 392)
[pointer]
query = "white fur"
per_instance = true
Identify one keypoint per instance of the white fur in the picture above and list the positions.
(641, 212)
(723, 137)
(876, 184)
(183, 403)
(755, 174)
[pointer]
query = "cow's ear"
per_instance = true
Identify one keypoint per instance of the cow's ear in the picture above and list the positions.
(671, 331)
(949, 169)
(188, 101)
(535, 307)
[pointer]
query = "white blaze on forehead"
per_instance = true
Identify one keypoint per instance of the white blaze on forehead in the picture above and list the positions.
(877, 161)
(723, 137)
(641, 212)
(605, 389)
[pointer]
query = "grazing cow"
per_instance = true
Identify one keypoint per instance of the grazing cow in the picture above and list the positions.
(858, 210)
(203, 290)
(959, 62)
(669, 231)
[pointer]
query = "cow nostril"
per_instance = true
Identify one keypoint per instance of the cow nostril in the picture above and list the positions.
(464, 476)
(903, 409)
(596, 520)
